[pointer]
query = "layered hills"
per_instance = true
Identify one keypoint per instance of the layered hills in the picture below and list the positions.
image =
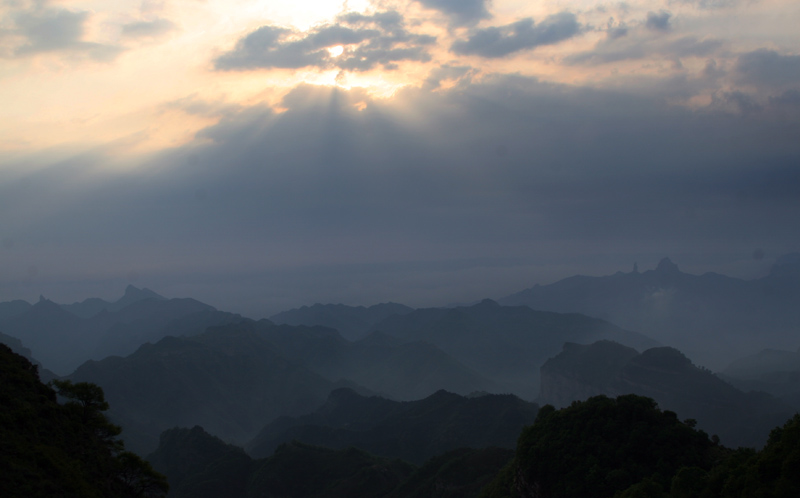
(712, 317)
(227, 379)
(61, 340)
(199, 465)
(234, 379)
(413, 431)
(65, 449)
(667, 376)
(505, 343)
(353, 322)
(770, 370)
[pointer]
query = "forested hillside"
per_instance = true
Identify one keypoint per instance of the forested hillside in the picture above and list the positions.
(51, 449)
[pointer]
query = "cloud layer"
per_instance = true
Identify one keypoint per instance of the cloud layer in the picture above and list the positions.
(367, 41)
(511, 147)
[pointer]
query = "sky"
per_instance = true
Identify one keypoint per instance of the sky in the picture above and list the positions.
(264, 155)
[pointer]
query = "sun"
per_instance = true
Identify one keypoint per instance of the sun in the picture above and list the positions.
(336, 51)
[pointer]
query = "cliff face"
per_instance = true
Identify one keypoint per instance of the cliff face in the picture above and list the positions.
(667, 376)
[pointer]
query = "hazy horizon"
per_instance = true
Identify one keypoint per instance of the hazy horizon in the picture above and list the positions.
(262, 157)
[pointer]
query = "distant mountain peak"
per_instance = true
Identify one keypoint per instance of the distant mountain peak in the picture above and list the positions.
(787, 265)
(134, 294)
(667, 266)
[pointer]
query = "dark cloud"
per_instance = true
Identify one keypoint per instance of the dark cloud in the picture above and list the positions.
(57, 30)
(789, 98)
(460, 12)
(447, 72)
(148, 29)
(331, 203)
(658, 21)
(736, 101)
(769, 68)
(379, 39)
(521, 35)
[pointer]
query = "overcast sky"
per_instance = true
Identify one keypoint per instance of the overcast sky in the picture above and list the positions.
(262, 155)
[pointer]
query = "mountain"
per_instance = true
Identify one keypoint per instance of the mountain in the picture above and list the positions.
(601, 447)
(53, 334)
(504, 343)
(62, 341)
(713, 317)
(774, 371)
(18, 348)
(628, 447)
(228, 379)
(413, 431)
(92, 306)
(200, 465)
(352, 322)
(398, 369)
(69, 449)
(667, 376)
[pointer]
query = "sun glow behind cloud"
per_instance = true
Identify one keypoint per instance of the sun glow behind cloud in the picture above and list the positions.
(111, 82)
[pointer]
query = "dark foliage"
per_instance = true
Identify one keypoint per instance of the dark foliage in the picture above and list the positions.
(603, 446)
(201, 465)
(670, 378)
(413, 431)
(66, 450)
(459, 473)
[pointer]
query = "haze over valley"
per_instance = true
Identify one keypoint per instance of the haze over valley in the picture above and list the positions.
(400, 248)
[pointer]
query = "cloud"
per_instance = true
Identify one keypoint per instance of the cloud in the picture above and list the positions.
(658, 21)
(44, 30)
(651, 38)
(500, 41)
(768, 68)
(502, 169)
(460, 12)
(639, 48)
(369, 41)
(709, 4)
(148, 29)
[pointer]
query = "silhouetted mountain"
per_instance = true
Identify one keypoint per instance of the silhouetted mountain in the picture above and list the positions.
(395, 368)
(601, 447)
(413, 431)
(774, 371)
(352, 322)
(507, 344)
(199, 465)
(62, 340)
(16, 346)
(460, 473)
(228, 379)
(53, 335)
(92, 306)
(629, 448)
(70, 449)
(713, 317)
(667, 376)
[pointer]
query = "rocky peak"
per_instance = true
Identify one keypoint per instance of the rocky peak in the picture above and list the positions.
(667, 266)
